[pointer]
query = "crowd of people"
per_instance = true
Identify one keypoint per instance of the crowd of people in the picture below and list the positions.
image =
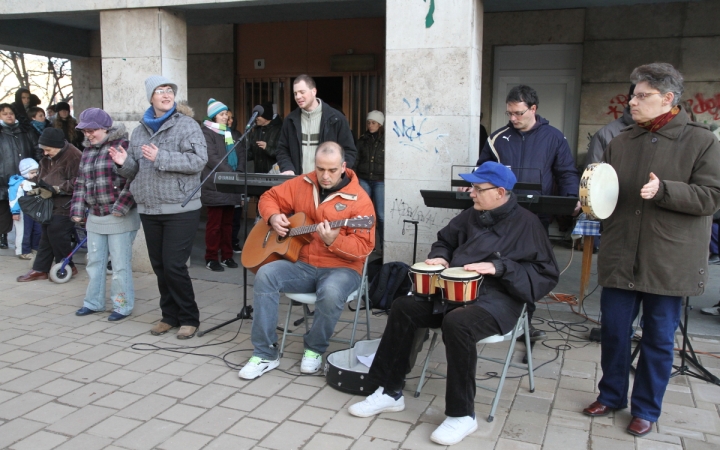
(93, 173)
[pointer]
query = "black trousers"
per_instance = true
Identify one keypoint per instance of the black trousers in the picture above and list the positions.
(462, 328)
(169, 240)
(6, 222)
(54, 243)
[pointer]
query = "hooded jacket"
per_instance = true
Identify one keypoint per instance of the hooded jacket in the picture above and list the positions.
(604, 135)
(333, 127)
(270, 134)
(216, 150)
(660, 246)
(301, 194)
(99, 187)
(540, 155)
(19, 108)
(15, 145)
(371, 157)
(160, 186)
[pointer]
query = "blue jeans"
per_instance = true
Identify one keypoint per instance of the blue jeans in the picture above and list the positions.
(661, 316)
(332, 286)
(376, 191)
(122, 291)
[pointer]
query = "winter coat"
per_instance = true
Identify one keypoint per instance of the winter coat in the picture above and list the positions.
(15, 145)
(371, 157)
(216, 150)
(604, 135)
(16, 189)
(513, 239)
(61, 170)
(660, 246)
(160, 186)
(540, 155)
(99, 187)
(66, 126)
(333, 127)
(301, 194)
(19, 108)
(270, 134)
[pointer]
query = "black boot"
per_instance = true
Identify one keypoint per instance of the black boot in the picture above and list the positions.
(3, 241)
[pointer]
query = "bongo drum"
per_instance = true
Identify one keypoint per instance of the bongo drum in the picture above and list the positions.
(424, 278)
(458, 285)
(599, 189)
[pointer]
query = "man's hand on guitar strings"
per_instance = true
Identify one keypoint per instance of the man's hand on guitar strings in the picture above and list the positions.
(327, 234)
(280, 224)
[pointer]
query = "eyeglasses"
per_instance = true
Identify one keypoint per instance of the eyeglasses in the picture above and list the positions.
(87, 131)
(516, 114)
(164, 91)
(643, 95)
(478, 189)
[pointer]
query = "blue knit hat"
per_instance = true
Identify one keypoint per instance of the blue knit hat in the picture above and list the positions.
(215, 107)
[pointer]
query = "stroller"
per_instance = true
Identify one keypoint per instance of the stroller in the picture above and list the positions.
(60, 272)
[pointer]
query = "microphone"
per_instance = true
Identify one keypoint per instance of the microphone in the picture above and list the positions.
(257, 111)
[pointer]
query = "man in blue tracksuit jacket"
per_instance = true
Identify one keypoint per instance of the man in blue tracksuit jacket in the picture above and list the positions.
(535, 151)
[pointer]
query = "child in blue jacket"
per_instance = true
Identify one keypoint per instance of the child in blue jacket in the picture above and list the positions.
(27, 231)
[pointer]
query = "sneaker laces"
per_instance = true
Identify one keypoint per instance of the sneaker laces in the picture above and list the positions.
(311, 354)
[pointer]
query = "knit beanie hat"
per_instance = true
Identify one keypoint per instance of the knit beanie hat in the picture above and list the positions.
(268, 112)
(52, 137)
(214, 108)
(377, 116)
(26, 165)
(62, 106)
(153, 81)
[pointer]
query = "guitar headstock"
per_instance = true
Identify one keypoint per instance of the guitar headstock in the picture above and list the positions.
(361, 222)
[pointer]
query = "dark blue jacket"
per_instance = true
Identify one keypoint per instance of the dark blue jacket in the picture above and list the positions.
(541, 155)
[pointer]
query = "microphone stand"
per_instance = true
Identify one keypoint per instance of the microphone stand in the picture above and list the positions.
(246, 311)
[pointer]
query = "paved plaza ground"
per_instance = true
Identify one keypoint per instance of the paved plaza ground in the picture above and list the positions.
(70, 382)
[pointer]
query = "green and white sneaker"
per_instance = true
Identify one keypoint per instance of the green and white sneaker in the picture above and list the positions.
(257, 366)
(311, 362)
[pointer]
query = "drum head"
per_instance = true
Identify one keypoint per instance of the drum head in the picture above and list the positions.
(422, 267)
(603, 191)
(458, 273)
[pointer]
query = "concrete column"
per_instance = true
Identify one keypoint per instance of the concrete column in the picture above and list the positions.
(432, 115)
(87, 78)
(135, 44)
(210, 54)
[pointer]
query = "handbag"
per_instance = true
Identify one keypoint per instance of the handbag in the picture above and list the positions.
(37, 208)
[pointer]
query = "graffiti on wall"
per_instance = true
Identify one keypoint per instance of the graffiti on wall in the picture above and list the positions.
(414, 131)
(706, 105)
(617, 105)
(429, 21)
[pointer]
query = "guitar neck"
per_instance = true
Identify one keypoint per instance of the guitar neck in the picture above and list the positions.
(307, 229)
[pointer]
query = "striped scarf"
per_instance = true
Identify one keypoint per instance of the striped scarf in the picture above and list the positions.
(660, 121)
(229, 142)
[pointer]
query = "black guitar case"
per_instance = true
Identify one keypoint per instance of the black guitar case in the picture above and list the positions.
(346, 373)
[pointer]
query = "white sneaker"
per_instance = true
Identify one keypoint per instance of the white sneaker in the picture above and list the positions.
(376, 403)
(257, 366)
(711, 311)
(311, 362)
(453, 430)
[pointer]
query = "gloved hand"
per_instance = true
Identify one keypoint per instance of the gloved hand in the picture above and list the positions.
(44, 193)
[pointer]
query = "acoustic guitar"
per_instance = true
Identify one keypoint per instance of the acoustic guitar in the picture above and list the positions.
(263, 245)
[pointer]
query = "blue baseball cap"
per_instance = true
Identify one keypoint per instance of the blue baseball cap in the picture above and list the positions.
(493, 173)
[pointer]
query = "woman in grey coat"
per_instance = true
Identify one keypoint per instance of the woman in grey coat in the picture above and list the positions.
(655, 244)
(166, 155)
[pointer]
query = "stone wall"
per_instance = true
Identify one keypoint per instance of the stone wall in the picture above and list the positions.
(87, 78)
(210, 66)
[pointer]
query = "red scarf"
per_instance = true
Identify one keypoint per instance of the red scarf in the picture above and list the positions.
(660, 121)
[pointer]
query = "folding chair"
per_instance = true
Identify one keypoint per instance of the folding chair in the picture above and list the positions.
(519, 329)
(361, 294)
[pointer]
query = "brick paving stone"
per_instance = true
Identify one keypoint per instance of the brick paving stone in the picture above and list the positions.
(691, 419)
(149, 383)
(185, 441)
(39, 361)
(176, 368)
(121, 377)
(525, 426)
(73, 348)
(276, 409)
(346, 425)
(81, 420)
(10, 373)
(31, 381)
(611, 432)
(149, 363)
(178, 389)
(148, 407)
(390, 430)
(313, 416)
(40, 441)
(298, 391)
(114, 427)
(48, 344)
(330, 398)
(532, 404)
(289, 435)
(149, 435)
(66, 366)
(645, 444)
(603, 442)
(707, 393)
(16, 430)
(96, 353)
(367, 442)
(209, 396)
(122, 357)
(5, 396)
(414, 409)
(560, 437)
(569, 419)
(182, 413)
(86, 442)
(87, 394)
(419, 438)
(50, 412)
(24, 340)
(680, 432)
(578, 384)
(266, 386)
(204, 375)
(569, 400)
(252, 428)
(323, 441)
(92, 371)
(59, 387)
(232, 379)
(508, 444)
(215, 421)
(227, 441)
(23, 404)
(118, 400)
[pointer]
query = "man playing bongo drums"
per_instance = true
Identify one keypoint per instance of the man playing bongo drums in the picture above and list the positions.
(508, 246)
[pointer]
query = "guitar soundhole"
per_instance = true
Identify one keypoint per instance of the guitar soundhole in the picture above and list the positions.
(282, 238)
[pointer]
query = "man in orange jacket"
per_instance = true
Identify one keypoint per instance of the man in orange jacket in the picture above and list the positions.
(329, 265)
